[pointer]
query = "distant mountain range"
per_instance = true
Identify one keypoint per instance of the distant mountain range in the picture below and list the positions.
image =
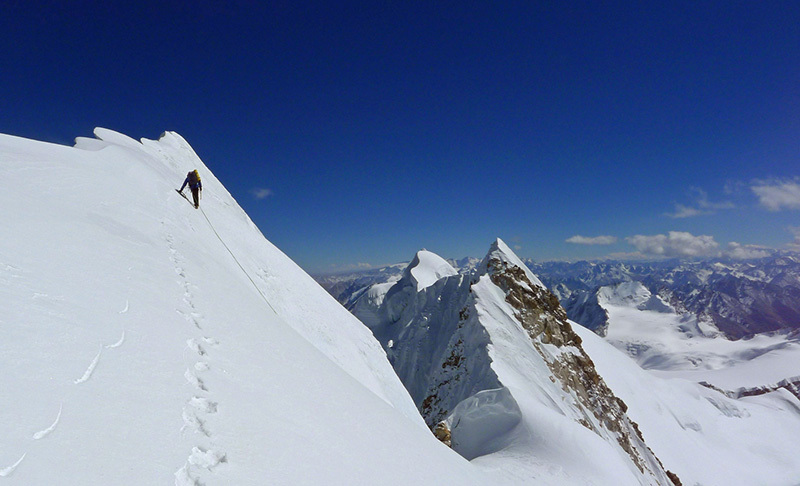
(739, 298)
(499, 370)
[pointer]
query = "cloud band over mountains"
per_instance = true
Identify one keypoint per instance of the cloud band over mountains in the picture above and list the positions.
(594, 240)
(675, 244)
(778, 194)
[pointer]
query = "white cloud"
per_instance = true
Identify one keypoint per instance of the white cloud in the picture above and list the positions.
(776, 194)
(794, 245)
(675, 244)
(745, 252)
(261, 192)
(593, 240)
(701, 205)
(682, 211)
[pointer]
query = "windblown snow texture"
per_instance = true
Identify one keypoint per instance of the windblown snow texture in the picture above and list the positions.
(145, 342)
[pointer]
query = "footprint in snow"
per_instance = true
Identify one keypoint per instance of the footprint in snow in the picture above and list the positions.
(190, 419)
(183, 477)
(203, 405)
(190, 317)
(196, 347)
(208, 459)
(194, 380)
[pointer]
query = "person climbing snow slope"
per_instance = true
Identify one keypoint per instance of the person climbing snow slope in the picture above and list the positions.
(193, 179)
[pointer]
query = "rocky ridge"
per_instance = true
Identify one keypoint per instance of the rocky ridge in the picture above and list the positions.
(475, 349)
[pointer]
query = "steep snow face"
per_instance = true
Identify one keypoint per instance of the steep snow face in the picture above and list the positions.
(516, 303)
(146, 342)
(585, 308)
(491, 355)
(426, 268)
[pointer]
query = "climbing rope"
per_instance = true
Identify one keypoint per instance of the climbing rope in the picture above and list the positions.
(237, 262)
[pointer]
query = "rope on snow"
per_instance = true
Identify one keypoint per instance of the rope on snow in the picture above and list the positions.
(237, 262)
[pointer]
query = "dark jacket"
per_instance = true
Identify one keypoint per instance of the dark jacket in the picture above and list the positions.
(193, 182)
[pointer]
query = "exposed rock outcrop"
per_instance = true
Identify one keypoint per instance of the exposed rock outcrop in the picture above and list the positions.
(483, 355)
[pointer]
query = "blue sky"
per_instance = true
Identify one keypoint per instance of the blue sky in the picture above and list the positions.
(358, 132)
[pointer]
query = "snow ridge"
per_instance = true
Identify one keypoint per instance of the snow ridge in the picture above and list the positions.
(189, 375)
(490, 358)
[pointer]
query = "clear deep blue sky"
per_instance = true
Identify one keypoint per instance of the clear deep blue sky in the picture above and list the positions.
(372, 129)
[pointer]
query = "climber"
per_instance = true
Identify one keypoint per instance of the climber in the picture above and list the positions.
(193, 179)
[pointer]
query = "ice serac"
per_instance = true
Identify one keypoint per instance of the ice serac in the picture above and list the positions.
(492, 357)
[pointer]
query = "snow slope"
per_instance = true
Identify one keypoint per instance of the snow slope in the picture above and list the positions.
(680, 345)
(145, 342)
(701, 434)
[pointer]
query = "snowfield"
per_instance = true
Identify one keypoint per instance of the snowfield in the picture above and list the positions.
(699, 433)
(673, 344)
(145, 342)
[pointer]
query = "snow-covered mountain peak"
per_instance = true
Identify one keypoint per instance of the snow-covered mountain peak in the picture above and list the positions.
(426, 268)
(501, 253)
(632, 294)
(462, 350)
(493, 360)
(625, 293)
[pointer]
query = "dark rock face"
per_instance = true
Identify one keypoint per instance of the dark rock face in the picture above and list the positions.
(584, 308)
(546, 322)
(792, 385)
(444, 340)
(442, 432)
